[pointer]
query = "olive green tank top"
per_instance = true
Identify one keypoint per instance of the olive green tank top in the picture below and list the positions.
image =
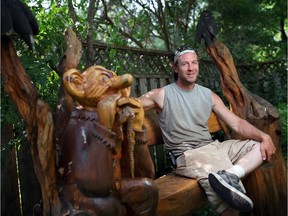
(184, 118)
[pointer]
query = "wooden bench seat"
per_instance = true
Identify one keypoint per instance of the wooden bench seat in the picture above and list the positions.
(178, 195)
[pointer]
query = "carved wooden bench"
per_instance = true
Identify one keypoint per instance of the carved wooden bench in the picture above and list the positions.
(177, 195)
(266, 186)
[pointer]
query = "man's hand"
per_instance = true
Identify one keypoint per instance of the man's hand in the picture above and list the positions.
(267, 148)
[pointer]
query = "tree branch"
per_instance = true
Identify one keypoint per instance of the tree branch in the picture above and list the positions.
(123, 33)
(73, 14)
(163, 25)
(90, 20)
(282, 30)
(72, 11)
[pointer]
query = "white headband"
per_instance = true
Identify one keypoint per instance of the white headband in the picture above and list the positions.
(178, 54)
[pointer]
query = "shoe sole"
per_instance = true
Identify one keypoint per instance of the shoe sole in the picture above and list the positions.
(233, 197)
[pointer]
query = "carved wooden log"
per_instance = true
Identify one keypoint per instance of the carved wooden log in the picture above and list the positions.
(70, 60)
(39, 121)
(96, 166)
(267, 186)
(38, 116)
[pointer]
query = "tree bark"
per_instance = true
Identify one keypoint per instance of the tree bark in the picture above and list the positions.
(38, 117)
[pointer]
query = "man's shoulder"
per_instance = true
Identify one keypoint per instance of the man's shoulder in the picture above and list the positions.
(157, 93)
(169, 85)
(203, 88)
(158, 90)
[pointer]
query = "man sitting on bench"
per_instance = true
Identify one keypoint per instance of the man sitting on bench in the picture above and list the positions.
(184, 108)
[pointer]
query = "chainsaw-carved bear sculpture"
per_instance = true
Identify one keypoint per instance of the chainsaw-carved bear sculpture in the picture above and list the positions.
(105, 165)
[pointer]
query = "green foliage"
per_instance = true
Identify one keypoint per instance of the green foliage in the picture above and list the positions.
(251, 29)
(283, 109)
(39, 64)
(50, 41)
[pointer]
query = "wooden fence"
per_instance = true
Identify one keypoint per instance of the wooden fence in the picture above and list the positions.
(267, 79)
(151, 69)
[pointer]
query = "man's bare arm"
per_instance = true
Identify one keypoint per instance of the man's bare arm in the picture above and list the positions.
(244, 128)
(153, 99)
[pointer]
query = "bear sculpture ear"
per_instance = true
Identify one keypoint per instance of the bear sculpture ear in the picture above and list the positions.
(74, 84)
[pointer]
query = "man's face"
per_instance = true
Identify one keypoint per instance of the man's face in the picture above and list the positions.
(188, 68)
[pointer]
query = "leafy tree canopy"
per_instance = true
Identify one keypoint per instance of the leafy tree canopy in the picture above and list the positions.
(253, 30)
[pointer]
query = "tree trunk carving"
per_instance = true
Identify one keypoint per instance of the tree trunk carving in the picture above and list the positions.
(267, 186)
(38, 117)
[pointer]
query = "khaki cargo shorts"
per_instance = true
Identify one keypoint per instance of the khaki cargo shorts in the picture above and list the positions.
(198, 163)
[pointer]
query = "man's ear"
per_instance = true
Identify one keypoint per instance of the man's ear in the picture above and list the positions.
(73, 83)
(175, 72)
(175, 68)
